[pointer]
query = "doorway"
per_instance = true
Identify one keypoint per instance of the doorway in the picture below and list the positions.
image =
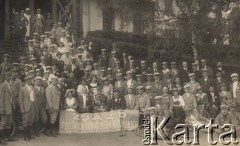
(44, 5)
(2, 19)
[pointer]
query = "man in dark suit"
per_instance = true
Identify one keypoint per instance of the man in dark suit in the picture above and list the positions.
(103, 59)
(220, 69)
(119, 84)
(40, 106)
(183, 72)
(195, 70)
(84, 102)
(59, 63)
(206, 81)
(218, 81)
(53, 103)
(99, 102)
(5, 67)
(214, 102)
(132, 68)
(26, 101)
(206, 67)
(143, 70)
(155, 68)
(157, 85)
(174, 71)
(112, 60)
(167, 103)
(118, 102)
(75, 70)
(48, 56)
(6, 106)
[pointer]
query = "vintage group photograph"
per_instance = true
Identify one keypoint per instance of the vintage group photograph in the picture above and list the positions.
(108, 72)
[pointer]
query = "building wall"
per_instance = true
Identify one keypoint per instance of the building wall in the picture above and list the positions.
(93, 18)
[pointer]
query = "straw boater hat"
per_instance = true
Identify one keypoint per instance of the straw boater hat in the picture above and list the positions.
(140, 87)
(234, 75)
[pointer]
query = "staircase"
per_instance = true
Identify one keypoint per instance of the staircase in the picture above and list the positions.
(6, 47)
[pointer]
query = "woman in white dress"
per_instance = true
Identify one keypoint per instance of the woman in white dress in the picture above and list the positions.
(70, 101)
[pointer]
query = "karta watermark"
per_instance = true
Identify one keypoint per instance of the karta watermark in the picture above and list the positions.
(153, 131)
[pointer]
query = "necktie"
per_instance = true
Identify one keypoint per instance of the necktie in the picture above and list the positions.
(130, 100)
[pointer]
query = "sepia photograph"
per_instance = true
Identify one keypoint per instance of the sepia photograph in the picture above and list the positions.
(119, 72)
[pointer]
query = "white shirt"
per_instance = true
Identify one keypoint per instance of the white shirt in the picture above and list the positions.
(205, 79)
(213, 96)
(130, 99)
(84, 100)
(31, 93)
(70, 102)
(129, 83)
(180, 99)
(119, 83)
(235, 89)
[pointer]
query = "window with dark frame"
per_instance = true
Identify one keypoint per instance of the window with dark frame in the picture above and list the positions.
(108, 19)
(138, 24)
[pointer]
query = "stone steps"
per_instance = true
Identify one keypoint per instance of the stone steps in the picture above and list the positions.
(6, 47)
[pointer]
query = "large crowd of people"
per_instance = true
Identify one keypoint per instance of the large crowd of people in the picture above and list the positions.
(58, 72)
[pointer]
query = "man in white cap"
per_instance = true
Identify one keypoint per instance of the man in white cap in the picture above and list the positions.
(28, 17)
(112, 60)
(130, 82)
(26, 103)
(235, 89)
(190, 101)
(38, 22)
(40, 106)
(193, 84)
(53, 103)
(6, 108)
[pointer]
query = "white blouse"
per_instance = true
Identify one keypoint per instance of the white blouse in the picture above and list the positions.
(180, 99)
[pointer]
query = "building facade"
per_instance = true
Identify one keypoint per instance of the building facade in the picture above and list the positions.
(82, 15)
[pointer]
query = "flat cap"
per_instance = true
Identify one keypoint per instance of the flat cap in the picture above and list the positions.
(129, 72)
(186, 86)
(158, 97)
(42, 58)
(33, 59)
(140, 87)
(164, 63)
(203, 60)
(38, 78)
(28, 78)
(138, 75)
(191, 74)
(223, 106)
(148, 87)
(151, 108)
(6, 55)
